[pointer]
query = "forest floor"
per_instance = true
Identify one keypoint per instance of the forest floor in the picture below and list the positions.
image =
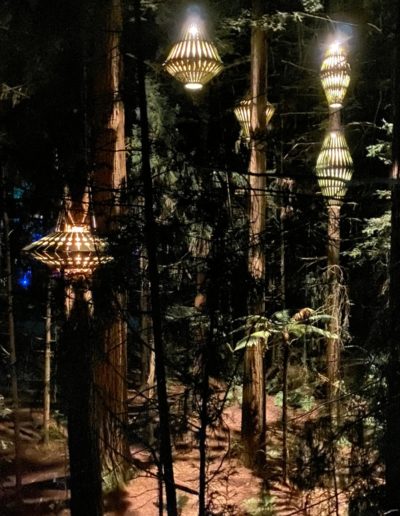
(233, 490)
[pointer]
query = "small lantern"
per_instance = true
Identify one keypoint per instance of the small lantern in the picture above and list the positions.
(335, 75)
(243, 114)
(71, 248)
(334, 167)
(193, 60)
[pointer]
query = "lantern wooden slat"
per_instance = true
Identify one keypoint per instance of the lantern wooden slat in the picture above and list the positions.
(334, 167)
(243, 115)
(335, 75)
(74, 250)
(193, 60)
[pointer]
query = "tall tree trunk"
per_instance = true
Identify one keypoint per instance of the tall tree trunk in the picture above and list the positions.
(12, 346)
(79, 388)
(333, 345)
(254, 399)
(285, 409)
(147, 352)
(393, 368)
(150, 234)
(47, 367)
(205, 394)
(108, 147)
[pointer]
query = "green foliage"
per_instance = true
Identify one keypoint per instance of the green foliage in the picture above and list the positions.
(264, 506)
(383, 149)
(282, 326)
(374, 246)
(312, 6)
(297, 398)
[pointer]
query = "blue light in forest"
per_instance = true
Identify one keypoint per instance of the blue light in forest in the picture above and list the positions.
(36, 236)
(25, 279)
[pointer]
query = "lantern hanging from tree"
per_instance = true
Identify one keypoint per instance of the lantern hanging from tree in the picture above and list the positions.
(72, 248)
(334, 167)
(193, 60)
(335, 75)
(243, 115)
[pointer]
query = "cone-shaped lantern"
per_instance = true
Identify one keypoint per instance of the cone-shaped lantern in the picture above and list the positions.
(72, 248)
(243, 114)
(335, 75)
(193, 60)
(334, 167)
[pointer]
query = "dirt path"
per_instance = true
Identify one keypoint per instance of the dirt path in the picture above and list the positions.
(233, 490)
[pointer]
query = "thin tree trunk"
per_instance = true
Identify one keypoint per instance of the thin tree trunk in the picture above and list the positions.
(147, 353)
(150, 232)
(333, 345)
(205, 393)
(12, 347)
(285, 411)
(393, 368)
(254, 398)
(47, 367)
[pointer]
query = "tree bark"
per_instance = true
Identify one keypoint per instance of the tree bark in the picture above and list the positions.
(333, 345)
(47, 368)
(150, 234)
(254, 399)
(107, 122)
(12, 346)
(79, 388)
(285, 411)
(393, 369)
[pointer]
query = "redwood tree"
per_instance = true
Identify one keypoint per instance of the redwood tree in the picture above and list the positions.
(106, 121)
(393, 368)
(253, 409)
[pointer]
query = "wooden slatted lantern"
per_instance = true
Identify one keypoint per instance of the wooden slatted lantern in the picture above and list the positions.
(243, 115)
(334, 167)
(193, 60)
(72, 248)
(335, 75)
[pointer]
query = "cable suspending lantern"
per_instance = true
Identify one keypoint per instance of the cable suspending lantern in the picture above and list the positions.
(193, 60)
(243, 115)
(335, 75)
(334, 167)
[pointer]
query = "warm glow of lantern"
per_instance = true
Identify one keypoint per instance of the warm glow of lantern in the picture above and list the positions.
(335, 75)
(71, 248)
(193, 60)
(243, 115)
(334, 167)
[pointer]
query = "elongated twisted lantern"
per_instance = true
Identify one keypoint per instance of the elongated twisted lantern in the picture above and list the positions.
(243, 114)
(334, 167)
(193, 60)
(335, 75)
(71, 248)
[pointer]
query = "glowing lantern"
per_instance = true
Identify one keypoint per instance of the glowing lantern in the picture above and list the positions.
(335, 75)
(193, 60)
(72, 248)
(334, 167)
(243, 114)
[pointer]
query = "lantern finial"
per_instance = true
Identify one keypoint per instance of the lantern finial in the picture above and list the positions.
(193, 60)
(335, 75)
